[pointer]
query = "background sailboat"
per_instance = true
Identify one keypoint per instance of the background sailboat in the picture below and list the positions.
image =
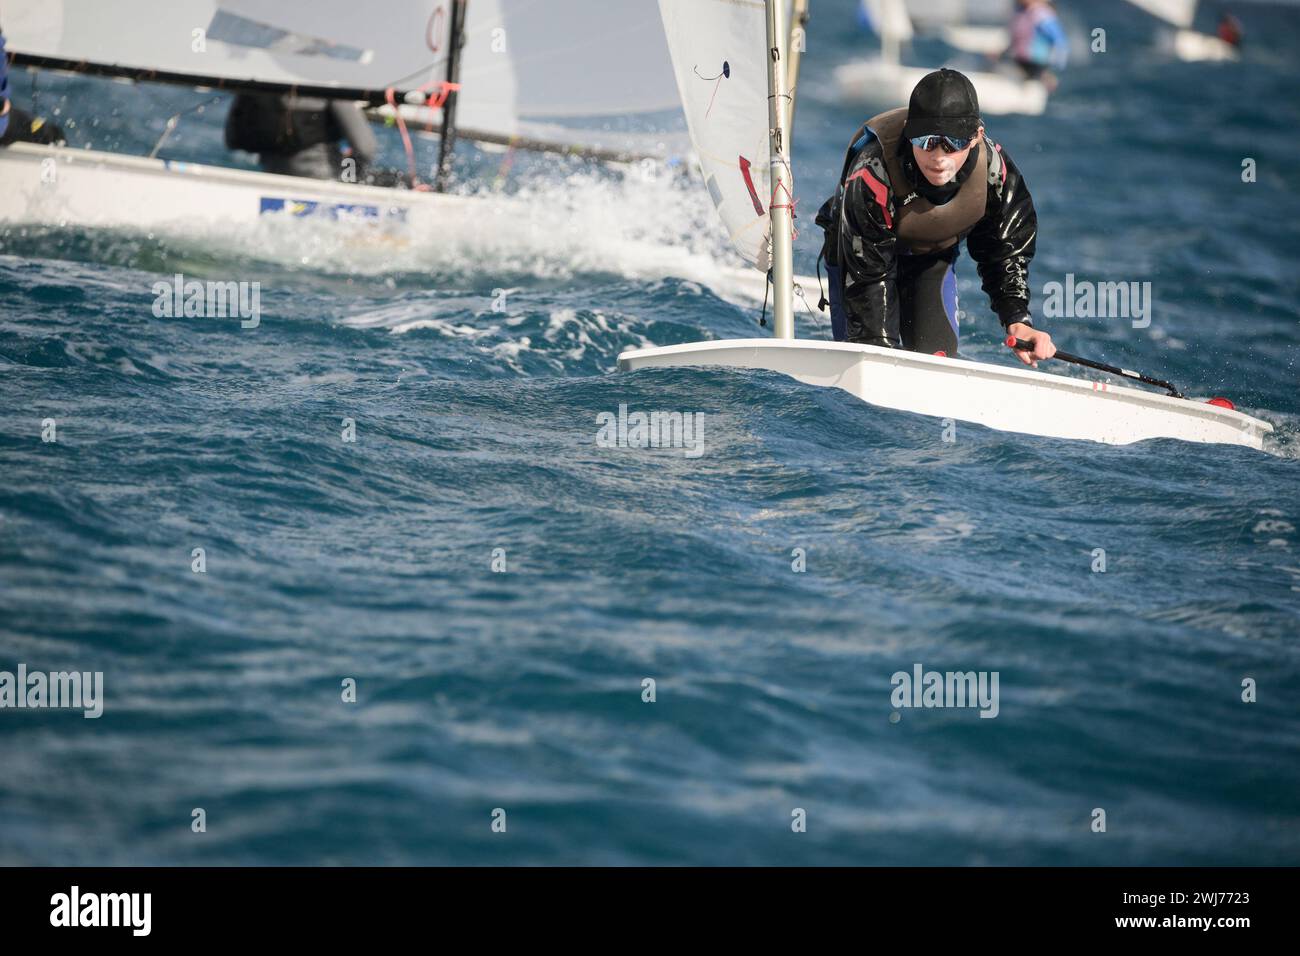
(566, 75)
(517, 79)
(1187, 44)
(524, 68)
(885, 82)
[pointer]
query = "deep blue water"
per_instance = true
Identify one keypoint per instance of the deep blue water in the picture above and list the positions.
(476, 430)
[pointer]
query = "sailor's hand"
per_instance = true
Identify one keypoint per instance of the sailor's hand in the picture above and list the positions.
(1042, 342)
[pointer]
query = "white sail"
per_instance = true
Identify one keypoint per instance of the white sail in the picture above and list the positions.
(1179, 13)
(525, 60)
(571, 58)
(312, 43)
(718, 52)
(927, 13)
(889, 19)
(522, 60)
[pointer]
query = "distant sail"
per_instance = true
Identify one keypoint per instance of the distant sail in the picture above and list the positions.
(927, 14)
(719, 53)
(975, 26)
(1179, 13)
(888, 19)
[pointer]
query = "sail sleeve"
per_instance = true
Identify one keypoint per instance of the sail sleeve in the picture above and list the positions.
(719, 50)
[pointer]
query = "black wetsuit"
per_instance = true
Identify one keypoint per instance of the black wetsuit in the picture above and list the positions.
(892, 296)
(25, 128)
(1031, 70)
(299, 136)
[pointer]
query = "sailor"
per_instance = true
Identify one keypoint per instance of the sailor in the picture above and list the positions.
(1039, 45)
(19, 126)
(914, 184)
(300, 136)
(1229, 30)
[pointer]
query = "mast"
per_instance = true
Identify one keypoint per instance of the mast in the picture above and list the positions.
(889, 47)
(447, 142)
(895, 26)
(779, 208)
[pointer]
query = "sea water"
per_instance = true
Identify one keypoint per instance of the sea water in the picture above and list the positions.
(365, 586)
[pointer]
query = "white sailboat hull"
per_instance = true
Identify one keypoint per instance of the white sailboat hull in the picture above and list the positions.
(1196, 47)
(1007, 399)
(889, 84)
(65, 188)
(52, 186)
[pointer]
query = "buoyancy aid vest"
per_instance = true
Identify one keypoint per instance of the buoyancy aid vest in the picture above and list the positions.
(922, 226)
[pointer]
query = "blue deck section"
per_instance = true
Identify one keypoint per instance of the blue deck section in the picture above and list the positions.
(344, 212)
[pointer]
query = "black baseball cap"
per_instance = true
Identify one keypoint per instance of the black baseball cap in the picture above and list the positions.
(944, 102)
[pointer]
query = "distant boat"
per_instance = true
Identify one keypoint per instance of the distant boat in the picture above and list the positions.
(1186, 43)
(885, 82)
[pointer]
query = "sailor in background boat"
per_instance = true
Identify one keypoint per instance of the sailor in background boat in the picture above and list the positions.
(1039, 45)
(915, 182)
(300, 136)
(19, 126)
(1229, 30)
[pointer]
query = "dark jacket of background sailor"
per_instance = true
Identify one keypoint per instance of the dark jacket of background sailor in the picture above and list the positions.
(300, 135)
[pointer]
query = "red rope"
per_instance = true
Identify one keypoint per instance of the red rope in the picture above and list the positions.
(434, 103)
(773, 204)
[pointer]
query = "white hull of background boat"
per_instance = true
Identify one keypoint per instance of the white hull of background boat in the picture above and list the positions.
(62, 188)
(1196, 47)
(888, 84)
(52, 186)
